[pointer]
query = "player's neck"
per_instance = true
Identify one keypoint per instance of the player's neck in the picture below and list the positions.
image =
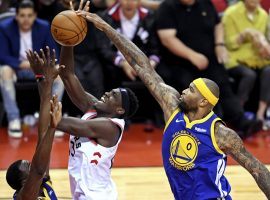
(104, 114)
(196, 115)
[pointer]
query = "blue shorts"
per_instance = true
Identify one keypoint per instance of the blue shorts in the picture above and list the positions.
(25, 74)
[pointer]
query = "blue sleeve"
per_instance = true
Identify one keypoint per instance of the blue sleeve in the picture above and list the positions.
(6, 58)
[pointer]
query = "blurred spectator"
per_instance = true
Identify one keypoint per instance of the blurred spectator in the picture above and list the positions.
(17, 35)
(193, 46)
(135, 23)
(245, 25)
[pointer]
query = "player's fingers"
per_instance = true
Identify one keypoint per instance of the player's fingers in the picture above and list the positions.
(71, 5)
(53, 57)
(43, 55)
(48, 53)
(86, 7)
(81, 5)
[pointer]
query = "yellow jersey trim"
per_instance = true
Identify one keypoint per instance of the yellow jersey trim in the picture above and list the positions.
(47, 197)
(204, 90)
(213, 136)
(171, 118)
(198, 121)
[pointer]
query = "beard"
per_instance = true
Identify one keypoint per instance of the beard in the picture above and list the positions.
(186, 107)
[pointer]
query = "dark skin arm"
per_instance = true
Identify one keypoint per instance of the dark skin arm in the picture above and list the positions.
(51, 113)
(102, 129)
(166, 96)
(230, 143)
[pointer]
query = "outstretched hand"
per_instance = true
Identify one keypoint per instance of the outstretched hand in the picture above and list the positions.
(91, 17)
(45, 64)
(56, 111)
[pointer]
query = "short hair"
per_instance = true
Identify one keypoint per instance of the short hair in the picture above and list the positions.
(133, 104)
(25, 4)
(14, 175)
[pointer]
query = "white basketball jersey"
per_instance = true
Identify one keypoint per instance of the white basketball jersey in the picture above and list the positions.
(90, 165)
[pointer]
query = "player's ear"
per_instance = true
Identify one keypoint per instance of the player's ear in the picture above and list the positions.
(203, 102)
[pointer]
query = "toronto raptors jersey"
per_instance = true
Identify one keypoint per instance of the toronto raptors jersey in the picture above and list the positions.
(90, 166)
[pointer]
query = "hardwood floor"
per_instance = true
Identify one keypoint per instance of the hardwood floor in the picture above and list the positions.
(148, 183)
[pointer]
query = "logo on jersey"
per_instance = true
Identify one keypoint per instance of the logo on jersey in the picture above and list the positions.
(183, 150)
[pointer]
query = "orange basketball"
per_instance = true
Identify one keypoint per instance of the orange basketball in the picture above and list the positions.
(68, 29)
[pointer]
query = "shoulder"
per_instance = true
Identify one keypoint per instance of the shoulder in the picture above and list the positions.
(6, 23)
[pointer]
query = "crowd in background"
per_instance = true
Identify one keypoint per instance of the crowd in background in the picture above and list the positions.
(227, 41)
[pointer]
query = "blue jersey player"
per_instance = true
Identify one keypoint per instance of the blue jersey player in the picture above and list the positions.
(31, 181)
(196, 142)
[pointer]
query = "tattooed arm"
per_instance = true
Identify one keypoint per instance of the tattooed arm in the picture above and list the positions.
(166, 96)
(230, 143)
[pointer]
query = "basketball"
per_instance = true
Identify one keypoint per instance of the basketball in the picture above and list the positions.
(68, 29)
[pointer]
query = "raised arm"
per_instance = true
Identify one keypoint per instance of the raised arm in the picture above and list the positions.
(230, 143)
(83, 100)
(166, 96)
(41, 157)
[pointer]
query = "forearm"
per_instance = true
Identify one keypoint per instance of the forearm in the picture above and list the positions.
(262, 177)
(67, 59)
(41, 157)
(45, 93)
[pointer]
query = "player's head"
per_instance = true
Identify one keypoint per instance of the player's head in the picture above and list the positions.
(119, 102)
(25, 15)
(202, 93)
(17, 174)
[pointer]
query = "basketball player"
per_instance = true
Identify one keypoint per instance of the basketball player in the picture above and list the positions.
(196, 142)
(30, 180)
(95, 137)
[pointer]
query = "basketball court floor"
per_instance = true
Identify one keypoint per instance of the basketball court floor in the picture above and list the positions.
(137, 171)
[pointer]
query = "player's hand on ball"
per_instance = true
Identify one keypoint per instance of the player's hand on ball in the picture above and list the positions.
(85, 8)
(56, 111)
(91, 17)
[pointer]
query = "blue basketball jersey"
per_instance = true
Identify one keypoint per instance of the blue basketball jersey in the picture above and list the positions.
(47, 191)
(193, 162)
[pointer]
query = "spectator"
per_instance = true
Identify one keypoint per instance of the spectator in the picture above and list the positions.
(245, 25)
(18, 34)
(193, 46)
(137, 24)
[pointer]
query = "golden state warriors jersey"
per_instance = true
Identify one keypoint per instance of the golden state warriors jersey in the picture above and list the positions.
(193, 162)
(47, 191)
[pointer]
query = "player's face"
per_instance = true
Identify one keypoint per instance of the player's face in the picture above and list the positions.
(110, 101)
(129, 7)
(25, 168)
(189, 99)
(25, 18)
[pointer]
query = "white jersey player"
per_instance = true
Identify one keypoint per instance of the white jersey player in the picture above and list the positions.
(96, 136)
(90, 165)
